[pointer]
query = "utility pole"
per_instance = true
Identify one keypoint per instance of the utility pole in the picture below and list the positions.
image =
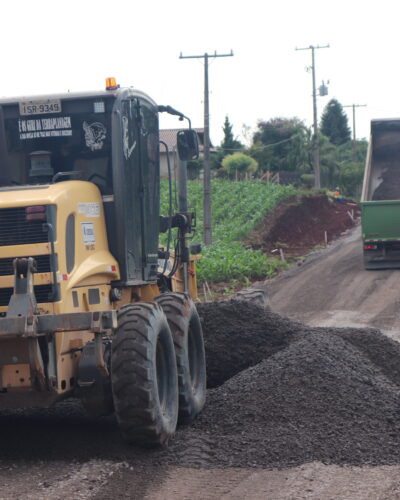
(207, 170)
(354, 106)
(315, 145)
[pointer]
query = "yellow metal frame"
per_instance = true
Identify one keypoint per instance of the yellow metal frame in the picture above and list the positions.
(94, 268)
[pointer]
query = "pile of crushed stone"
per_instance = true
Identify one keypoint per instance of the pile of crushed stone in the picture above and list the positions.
(320, 394)
(389, 187)
(283, 394)
(239, 334)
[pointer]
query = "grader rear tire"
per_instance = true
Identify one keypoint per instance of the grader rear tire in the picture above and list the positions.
(143, 375)
(187, 333)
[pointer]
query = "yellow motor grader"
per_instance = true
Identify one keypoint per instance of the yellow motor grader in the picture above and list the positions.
(90, 306)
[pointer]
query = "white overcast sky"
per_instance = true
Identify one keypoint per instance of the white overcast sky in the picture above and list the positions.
(52, 45)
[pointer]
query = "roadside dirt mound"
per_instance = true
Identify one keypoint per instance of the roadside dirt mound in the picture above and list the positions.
(299, 224)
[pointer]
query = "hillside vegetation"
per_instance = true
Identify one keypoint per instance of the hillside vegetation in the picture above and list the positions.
(238, 207)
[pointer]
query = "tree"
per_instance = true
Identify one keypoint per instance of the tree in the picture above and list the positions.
(351, 177)
(282, 144)
(229, 144)
(239, 165)
(338, 168)
(334, 123)
(329, 161)
(351, 170)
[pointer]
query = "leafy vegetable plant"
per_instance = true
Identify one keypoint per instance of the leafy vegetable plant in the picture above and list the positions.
(237, 208)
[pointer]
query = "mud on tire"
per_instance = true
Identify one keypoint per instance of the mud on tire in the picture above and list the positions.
(144, 376)
(187, 333)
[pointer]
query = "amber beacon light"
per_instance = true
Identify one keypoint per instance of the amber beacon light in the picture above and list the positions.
(111, 83)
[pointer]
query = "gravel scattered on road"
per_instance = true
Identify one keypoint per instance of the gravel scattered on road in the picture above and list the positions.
(319, 394)
(283, 394)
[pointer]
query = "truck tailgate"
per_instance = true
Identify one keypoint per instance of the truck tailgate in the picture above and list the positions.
(380, 220)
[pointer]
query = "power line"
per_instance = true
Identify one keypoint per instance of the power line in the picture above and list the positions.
(259, 148)
(206, 159)
(315, 145)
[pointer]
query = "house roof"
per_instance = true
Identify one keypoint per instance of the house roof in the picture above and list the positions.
(169, 137)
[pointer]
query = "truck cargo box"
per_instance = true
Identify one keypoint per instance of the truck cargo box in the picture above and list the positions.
(380, 221)
(380, 201)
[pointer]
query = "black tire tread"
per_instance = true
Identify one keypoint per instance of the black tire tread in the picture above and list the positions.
(178, 307)
(133, 398)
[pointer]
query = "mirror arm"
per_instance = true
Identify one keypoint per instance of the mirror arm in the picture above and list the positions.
(170, 110)
(188, 119)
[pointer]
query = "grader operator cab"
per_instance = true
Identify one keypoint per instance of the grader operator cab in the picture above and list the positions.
(90, 306)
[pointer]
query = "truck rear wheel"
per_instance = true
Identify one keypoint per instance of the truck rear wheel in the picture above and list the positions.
(143, 375)
(187, 333)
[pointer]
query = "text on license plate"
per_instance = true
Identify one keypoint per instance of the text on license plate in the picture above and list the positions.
(40, 107)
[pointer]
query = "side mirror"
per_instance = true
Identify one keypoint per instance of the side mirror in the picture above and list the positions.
(188, 144)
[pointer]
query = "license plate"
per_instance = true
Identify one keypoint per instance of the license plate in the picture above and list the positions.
(40, 107)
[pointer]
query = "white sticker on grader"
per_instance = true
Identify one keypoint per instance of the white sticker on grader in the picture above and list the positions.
(88, 233)
(89, 209)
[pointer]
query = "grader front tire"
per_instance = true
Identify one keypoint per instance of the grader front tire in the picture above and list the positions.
(143, 375)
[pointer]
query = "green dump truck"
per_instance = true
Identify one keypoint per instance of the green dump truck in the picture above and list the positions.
(380, 200)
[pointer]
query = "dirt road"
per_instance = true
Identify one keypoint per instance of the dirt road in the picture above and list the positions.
(332, 289)
(62, 454)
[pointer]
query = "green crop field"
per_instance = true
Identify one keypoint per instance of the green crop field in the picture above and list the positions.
(237, 208)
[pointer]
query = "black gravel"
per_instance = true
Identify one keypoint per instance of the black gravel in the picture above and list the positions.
(284, 394)
(323, 394)
(239, 334)
(389, 188)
